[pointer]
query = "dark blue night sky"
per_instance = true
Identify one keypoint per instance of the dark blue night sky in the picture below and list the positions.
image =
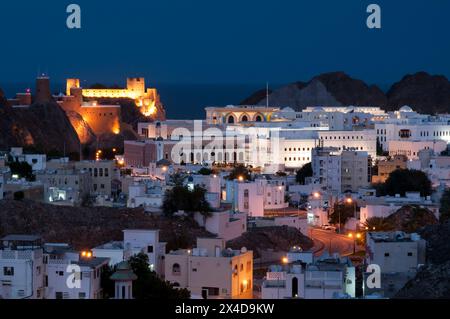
(222, 41)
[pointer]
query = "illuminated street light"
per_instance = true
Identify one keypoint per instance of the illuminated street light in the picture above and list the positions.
(316, 195)
(284, 260)
(241, 178)
(350, 235)
(358, 235)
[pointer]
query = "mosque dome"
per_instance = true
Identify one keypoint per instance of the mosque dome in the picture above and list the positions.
(406, 108)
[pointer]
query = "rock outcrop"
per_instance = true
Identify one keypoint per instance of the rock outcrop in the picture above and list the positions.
(45, 127)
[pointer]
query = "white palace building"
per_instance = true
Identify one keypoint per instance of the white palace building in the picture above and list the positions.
(280, 138)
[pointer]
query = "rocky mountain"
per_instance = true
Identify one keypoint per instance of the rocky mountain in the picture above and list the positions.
(423, 92)
(42, 126)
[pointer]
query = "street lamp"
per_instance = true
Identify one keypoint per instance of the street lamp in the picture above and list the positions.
(285, 260)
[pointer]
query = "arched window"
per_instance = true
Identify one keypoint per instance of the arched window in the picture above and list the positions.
(230, 119)
(176, 269)
(244, 118)
(258, 118)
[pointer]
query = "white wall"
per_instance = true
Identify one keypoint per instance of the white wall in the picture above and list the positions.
(221, 225)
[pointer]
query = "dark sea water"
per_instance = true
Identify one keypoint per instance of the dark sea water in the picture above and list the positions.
(182, 101)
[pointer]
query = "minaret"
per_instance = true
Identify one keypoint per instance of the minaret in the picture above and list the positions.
(123, 281)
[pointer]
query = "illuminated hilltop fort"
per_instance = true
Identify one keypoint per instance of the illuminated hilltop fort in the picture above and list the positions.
(147, 99)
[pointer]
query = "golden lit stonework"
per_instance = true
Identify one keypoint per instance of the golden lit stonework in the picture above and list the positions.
(147, 99)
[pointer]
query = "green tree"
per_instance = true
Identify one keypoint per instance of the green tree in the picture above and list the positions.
(205, 171)
(445, 206)
(342, 212)
(380, 151)
(404, 180)
(182, 198)
(22, 169)
(177, 179)
(304, 172)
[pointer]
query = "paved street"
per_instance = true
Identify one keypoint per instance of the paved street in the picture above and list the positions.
(330, 241)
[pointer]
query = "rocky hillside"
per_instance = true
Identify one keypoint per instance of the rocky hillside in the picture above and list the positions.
(423, 92)
(411, 219)
(276, 238)
(88, 227)
(43, 126)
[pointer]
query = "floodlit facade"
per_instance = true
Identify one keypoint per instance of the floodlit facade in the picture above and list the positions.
(211, 271)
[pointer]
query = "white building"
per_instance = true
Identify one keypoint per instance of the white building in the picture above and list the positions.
(395, 252)
(226, 224)
(135, 241)
(327, 278)
(72, 275)
(145, 194)
(112, 250)
(408, 126)
(255, 197)
(21, 267)
(326, 166)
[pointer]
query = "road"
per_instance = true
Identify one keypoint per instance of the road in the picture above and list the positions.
(330, 241)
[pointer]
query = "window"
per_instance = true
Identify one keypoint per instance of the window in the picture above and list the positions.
(410, 254)
(81, 295)
(176, 269)
(106, 172)
(8, 271)
(386, 254)
(58, 295)
(150, 249)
